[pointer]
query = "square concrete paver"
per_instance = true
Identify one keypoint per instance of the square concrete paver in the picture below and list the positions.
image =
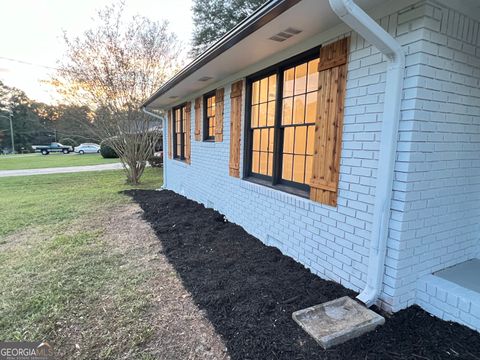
(337, 321)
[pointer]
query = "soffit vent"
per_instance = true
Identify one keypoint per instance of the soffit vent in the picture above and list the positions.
(285, 34)
(205, 78)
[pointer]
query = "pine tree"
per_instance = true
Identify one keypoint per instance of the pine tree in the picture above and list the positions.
(213, 18)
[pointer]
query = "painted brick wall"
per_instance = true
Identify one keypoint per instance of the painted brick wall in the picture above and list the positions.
(332, 242)
(451, 303)
(436, 208)
(435, 213)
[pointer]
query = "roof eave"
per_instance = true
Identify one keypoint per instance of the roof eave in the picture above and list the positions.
(259, 18)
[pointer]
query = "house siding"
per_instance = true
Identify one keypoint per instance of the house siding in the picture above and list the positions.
(438, 148)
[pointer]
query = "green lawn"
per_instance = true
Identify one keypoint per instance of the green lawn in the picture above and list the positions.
(61, 280)
(38, 161)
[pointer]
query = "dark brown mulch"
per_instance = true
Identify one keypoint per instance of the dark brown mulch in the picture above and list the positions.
(250, 290)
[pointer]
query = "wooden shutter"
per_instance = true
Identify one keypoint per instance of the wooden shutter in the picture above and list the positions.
(235, 127)
(188, 113)
(170, 133)
(219, 115)
(332, 69)
(198, 119)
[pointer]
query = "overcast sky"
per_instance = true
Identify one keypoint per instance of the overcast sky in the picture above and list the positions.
(31, 31)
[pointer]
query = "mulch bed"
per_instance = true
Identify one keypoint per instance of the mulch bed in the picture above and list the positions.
(249, 291)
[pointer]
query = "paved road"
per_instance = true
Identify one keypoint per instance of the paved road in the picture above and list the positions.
(60, 170)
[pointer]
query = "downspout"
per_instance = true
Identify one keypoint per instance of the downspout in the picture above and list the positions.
(164, 129)
(352, 15)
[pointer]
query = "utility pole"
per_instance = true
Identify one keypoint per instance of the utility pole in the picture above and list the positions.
(11, 132)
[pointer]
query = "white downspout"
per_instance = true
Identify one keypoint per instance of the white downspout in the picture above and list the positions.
(359, 21)
(164, 129)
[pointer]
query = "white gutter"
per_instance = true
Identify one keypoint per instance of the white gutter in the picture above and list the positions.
(352, 15)
(164, 137)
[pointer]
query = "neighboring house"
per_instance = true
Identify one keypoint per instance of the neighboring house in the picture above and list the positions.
(358, 158)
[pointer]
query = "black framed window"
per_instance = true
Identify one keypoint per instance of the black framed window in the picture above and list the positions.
(209, 116)
(281, 111)
(179, 125)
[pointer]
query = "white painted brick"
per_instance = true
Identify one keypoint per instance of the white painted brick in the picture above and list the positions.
(435, 208)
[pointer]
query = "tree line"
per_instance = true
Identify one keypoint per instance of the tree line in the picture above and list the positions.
(36, 123)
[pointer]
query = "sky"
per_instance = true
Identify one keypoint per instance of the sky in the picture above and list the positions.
(31, 32)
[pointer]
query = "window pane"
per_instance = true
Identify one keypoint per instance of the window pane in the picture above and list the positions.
(254, 116)
(310, 139)
(255, 92)
(272, 87)
(255, 159)
(270, 139)
(270, 164)
(300, 139)
(263, 90)
(262, 117)
(299, 109)
(288, 140)
(263, 163)
(311, 107)
(264, 140)
(312, 84)
(287, 167)
(256, 140)
(300, 78)
(271, 113)
(287, 111)
(288, 76)
(298, 168)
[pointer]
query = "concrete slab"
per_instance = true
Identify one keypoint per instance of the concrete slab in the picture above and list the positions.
(465, 274)
(337, 321)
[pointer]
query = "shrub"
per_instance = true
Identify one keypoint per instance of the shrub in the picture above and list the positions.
(107, 152)
(156, 161)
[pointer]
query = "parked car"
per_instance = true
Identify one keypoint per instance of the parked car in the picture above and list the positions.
(53, 147)
(88, 148)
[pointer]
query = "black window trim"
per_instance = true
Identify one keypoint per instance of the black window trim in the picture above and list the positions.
(274, 181)
(174, 140)
(205, 124)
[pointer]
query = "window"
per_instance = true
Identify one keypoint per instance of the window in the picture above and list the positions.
(281, 112)
(179, 122)
(209, 116)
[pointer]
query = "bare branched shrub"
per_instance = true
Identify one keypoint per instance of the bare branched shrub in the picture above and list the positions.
(112, 68)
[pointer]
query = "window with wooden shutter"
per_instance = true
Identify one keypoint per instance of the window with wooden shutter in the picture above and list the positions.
(170, 133)
(219, 115)
(187, 129)
(180, 128)
(235, 127)
(332, 69)
(198, 119)
(294, 123)
(209, 116)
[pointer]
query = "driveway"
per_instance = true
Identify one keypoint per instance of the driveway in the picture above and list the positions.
(60, 170)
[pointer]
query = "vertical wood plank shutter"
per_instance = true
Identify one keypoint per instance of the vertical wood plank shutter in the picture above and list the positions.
(235, 127)
(332, 69)
(188, 113)
(198, 119)
(219, 115)
(170, 134)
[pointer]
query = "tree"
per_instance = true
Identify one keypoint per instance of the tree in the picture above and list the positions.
(213, 18)
(111, 69)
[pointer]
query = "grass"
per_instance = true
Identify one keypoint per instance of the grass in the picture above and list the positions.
(38, 161)
(61, 280)
(29, 201)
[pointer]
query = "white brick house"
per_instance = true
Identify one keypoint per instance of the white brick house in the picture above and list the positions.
(429, 219)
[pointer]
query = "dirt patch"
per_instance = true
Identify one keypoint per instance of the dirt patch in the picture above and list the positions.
(249, 291)
(178, 329)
